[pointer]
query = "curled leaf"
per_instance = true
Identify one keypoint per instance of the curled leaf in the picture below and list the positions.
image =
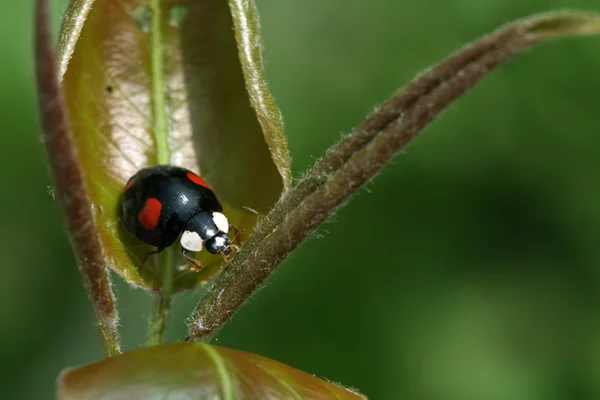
(162, 82)
(194, 371)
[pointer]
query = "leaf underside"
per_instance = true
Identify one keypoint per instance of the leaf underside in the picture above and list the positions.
(215, 126)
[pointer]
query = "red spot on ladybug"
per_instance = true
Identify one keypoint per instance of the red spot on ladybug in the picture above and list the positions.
(150, 214)
(197, 180)
(129, 184)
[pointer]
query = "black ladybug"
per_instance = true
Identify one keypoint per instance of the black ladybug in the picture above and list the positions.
(162, 202)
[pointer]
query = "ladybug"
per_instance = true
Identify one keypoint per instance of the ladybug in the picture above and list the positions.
(161, 203)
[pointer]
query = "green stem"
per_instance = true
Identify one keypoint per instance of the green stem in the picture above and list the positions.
(163, 155)
(158, 320)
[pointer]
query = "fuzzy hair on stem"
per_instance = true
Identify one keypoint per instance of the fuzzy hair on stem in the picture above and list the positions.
(70, 186)
(359, 156)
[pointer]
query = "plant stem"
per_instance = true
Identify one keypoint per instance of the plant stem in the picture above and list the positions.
(360, 156)
(70, 185)
(163, 155)
(158, 320)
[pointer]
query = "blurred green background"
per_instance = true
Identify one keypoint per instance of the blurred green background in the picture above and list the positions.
(486, 285)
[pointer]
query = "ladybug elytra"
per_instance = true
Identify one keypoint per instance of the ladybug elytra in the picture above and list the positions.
(163, 202)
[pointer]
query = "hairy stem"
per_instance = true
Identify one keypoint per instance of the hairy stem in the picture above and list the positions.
(70, 185)
(361, 154)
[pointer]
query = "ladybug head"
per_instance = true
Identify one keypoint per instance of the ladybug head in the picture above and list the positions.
(219, 243)
(208, 228)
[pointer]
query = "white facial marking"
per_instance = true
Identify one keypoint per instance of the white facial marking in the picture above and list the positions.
(220, 221)
(219, 241)
(191, 241)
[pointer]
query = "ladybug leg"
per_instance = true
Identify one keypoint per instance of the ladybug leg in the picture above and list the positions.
(196, 264)
(234, 247)
(150, 254)
(225, 258)
(237, 237)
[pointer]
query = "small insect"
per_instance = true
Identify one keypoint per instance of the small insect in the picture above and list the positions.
(163, 202)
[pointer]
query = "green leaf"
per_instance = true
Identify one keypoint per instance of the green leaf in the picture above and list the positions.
(194, 371)
(181, 83)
